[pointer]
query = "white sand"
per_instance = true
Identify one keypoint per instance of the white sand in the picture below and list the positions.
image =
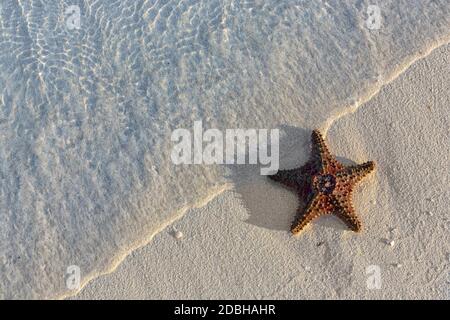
(238, 245)
(86, 117)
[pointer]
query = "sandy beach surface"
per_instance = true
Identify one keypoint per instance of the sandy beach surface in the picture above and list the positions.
(94, 95)
(237, 246)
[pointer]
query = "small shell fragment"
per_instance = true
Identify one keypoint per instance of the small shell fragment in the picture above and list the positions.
(178, 234)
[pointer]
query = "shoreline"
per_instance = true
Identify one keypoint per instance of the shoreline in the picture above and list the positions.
(91, 96)
(351, 110)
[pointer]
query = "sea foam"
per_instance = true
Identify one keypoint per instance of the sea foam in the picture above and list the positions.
(86, 113)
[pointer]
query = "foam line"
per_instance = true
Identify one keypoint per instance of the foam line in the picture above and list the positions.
(121, 256)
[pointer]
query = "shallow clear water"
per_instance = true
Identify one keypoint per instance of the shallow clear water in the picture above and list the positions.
(86, 114)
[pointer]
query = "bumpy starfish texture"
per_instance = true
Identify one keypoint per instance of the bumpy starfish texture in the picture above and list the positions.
(324, 186)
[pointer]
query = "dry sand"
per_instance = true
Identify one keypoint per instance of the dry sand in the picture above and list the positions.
(238, 245)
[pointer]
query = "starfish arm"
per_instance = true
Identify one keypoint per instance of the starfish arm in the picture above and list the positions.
(344, 210)
(289, 178)
(317, 206)
(353, 174)
(320, 153)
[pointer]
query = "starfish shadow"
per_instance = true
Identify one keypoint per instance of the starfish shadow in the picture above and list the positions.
(269, 204)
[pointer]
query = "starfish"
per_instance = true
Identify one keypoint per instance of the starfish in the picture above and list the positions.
(324, 186)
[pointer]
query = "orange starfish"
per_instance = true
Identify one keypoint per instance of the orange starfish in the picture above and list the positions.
(324, 186)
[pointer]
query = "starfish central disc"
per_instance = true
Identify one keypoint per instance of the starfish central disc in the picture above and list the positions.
(325, 183)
